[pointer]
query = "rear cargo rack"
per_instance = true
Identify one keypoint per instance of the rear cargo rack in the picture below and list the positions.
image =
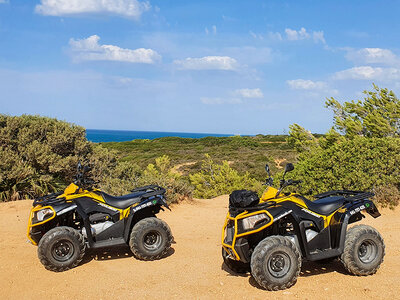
(347, 194)
(360, 196)
(337, 193)
(151, 190)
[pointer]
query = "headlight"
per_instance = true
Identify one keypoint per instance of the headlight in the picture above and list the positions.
(43, 214)
(253, 222)
(229, 233)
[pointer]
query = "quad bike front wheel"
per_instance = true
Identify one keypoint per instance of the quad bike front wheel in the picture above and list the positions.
(61, 249)
(234, 265)
(150, 239)
(275, 263)
(364, 250)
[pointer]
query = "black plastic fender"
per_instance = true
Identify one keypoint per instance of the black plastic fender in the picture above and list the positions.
(135, 216)
(64, 208)
(366, 205)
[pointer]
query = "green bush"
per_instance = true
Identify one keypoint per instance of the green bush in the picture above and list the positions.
(365, 157)
(356, 164)
(127, 176)
(38, 155)
(387, 195)
(218, 179)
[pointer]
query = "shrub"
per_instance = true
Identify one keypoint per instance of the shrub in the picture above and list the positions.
(127, 176)
(365, 157)
(387, 196)
(38, 155)
(356, 164)
(300, 139)
(218, 179)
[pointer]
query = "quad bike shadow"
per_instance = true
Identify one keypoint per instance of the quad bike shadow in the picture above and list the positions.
(113, 253)
(308, 269)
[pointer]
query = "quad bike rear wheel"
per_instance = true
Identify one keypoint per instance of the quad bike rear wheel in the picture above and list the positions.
(61, 249)
(234, 265)
(150, 239)
(275, 263)
(364, 250)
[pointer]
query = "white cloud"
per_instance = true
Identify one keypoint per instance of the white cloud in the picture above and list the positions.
(318, 36)
(275, 36)
(302, 84)
(213, 30)
(372, 56)
(298, 35)
(127, 8)
(256, 36)
(4, 1)
(249, 93)
(368, 73)
(294, 35)
(237, 97)
(218, 100)
(208, 63)
(90, 49)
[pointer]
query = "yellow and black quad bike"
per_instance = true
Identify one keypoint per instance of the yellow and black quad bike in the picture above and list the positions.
(65, 224)
(271, 236)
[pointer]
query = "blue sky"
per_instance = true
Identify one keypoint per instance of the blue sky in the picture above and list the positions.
(240, 67)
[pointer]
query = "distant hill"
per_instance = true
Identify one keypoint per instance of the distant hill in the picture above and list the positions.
(244, 153)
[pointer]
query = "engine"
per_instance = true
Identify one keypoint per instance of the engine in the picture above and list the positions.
(98, 223)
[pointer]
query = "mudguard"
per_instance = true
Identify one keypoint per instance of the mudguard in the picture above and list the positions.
(367, 205)
(134, 214)
(64, 208)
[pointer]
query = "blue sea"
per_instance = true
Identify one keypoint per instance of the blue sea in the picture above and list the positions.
(100, 135)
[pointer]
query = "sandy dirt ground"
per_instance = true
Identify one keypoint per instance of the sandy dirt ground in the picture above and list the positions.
(193, 269)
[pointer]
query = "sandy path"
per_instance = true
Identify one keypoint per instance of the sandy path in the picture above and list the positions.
(192, 270)
(176, 168)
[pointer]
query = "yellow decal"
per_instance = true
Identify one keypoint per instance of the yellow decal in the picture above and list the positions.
(71, 189)
(269, 193)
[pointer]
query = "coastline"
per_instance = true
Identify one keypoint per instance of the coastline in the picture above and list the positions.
(107, 135)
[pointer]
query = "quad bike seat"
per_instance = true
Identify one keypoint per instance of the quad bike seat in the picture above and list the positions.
(325, 206)
(124, 201)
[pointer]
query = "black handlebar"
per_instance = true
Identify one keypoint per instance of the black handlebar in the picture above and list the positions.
(81, 179)
(290, 182)
(294, 182)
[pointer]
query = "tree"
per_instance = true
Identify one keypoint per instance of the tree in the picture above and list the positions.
(300, 138)
(366, 156)
(38, 155)
(377, 115)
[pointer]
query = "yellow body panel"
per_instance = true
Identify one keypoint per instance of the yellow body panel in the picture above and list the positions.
(269, 193)
(30, 225)
(71, 189)
(243, 215)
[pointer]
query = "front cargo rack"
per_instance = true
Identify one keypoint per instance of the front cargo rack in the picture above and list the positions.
(49, 199)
